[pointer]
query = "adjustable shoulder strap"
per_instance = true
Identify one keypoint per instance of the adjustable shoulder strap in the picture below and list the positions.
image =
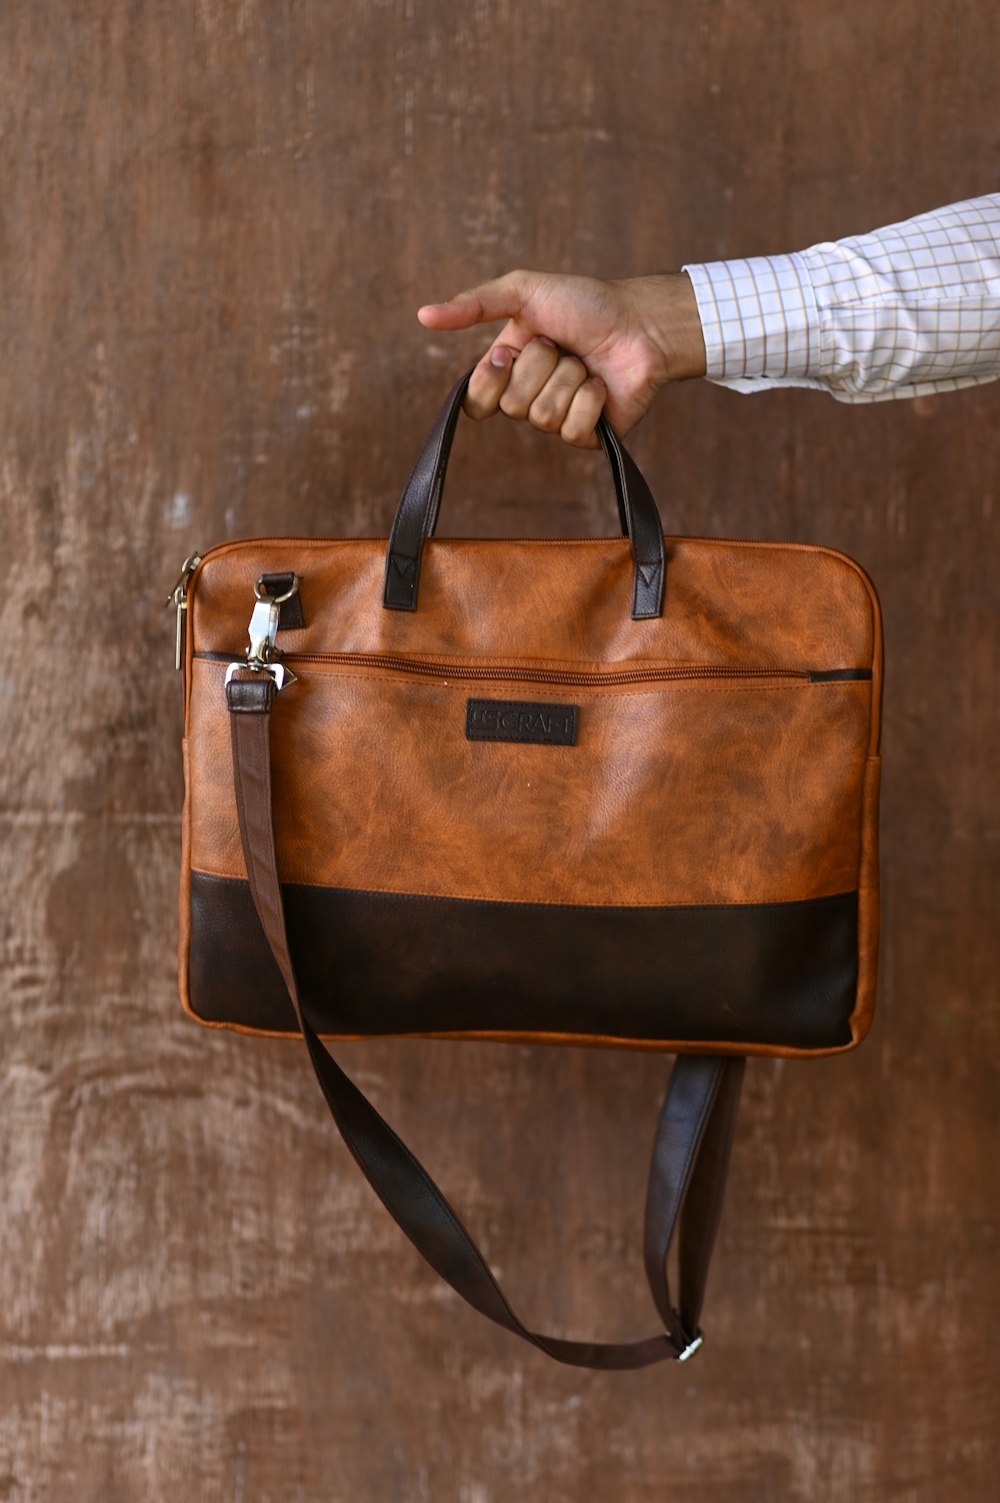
(690, 1152)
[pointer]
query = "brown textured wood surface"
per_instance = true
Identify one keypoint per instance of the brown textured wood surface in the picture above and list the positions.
(216, 224)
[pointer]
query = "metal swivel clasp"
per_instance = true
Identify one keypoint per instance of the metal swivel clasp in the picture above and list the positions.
(261, 654)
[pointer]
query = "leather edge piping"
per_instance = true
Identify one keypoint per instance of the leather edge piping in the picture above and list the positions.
(184, 897)
(869, 914)
(583, 1040)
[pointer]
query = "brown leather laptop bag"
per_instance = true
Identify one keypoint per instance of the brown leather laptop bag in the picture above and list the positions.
(618, 792)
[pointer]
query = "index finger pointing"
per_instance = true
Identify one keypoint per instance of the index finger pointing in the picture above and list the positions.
(502, 298)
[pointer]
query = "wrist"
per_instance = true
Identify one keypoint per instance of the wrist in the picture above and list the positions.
(668, 309)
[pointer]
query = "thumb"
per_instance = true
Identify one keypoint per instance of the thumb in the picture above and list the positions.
(505, 297)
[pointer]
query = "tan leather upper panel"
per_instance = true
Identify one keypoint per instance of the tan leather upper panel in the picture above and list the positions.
(767, 604)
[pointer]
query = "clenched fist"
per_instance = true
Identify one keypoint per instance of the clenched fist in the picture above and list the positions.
(573, 347)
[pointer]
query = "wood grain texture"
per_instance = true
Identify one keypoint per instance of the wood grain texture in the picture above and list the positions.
(216, 224)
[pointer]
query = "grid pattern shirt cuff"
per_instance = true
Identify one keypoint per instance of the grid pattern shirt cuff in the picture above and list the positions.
(910, 309)
(759, 318)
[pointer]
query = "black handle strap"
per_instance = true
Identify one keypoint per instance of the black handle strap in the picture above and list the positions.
(417, 514)
(690, 1153)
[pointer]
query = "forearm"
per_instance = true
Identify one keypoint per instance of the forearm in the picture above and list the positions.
(908, 309)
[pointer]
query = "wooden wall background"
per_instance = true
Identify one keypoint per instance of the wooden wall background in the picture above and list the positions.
(216, 223)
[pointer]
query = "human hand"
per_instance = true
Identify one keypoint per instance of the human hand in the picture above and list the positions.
(574, 346)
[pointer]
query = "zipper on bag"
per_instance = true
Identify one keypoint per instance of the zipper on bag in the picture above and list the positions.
(524, 673)
(581, 678)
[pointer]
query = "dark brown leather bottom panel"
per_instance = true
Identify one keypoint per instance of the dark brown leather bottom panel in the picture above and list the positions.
(374, 963)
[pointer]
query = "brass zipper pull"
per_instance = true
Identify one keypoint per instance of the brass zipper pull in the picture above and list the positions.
(178, 599)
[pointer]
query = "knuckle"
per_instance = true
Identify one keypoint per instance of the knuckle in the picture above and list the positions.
(480, 401)
(512, 406)
(509, 282)
(546, 416)
(546, 424)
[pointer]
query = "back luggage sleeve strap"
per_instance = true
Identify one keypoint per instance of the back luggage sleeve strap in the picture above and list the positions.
(690, 1152)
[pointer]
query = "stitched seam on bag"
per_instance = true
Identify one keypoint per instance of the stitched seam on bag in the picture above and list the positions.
(440, 897)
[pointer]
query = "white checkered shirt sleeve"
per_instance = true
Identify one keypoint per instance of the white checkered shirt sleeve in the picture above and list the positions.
(908, 310)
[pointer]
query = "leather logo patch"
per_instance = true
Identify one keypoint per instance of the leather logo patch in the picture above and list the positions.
(521, 720)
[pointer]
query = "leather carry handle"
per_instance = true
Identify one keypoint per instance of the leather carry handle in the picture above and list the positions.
(417, 514)
(690, 1153)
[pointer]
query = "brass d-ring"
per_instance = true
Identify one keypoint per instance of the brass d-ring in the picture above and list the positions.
(276, 599)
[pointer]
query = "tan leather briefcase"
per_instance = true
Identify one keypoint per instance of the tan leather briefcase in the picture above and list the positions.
(618, 792)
